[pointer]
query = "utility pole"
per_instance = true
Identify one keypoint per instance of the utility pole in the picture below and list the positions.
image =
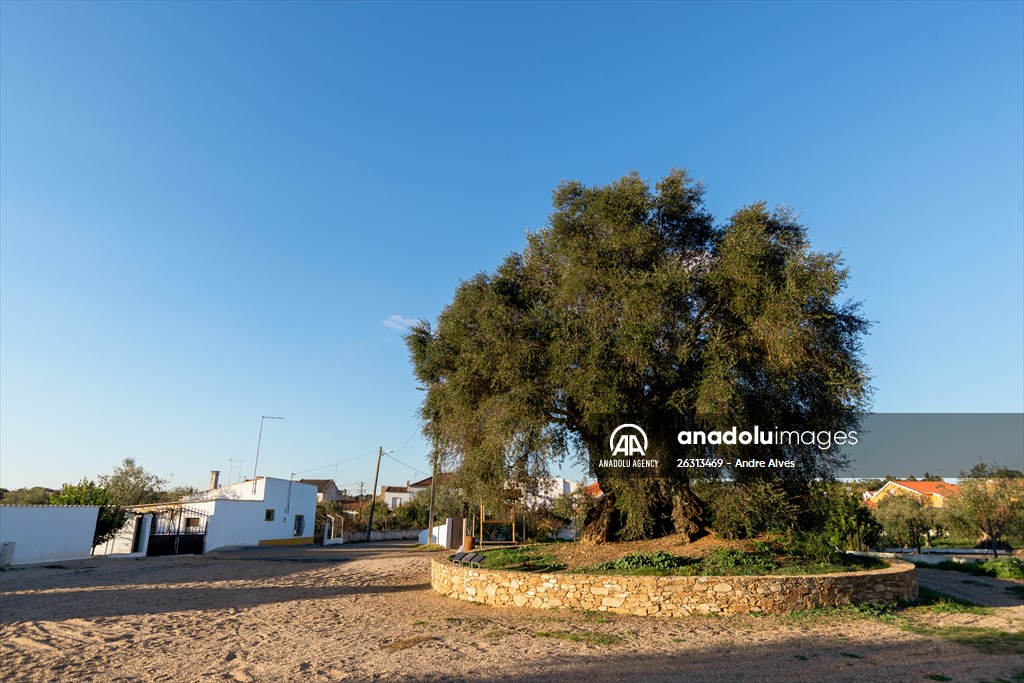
(373, 493)
(433, 488)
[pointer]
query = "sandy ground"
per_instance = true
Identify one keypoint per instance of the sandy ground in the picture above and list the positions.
(367, 613)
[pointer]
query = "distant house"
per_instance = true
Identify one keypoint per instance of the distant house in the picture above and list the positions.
(932, 493)
(593, 490)
(326, 489)
(549, 491)
(396, 496)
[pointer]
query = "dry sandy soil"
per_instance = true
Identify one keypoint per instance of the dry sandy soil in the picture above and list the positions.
(367, 613)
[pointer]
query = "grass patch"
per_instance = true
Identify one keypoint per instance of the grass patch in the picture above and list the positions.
(596, 617)
(588, 637)
(913, 618)
(987, 640)
(430, 546)
(934, 601)
(527, 558)
(1003, 568)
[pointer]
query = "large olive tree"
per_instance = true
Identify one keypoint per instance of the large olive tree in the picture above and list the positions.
(634, 302)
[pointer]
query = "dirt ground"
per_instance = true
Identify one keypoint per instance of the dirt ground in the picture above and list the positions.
(366, 612)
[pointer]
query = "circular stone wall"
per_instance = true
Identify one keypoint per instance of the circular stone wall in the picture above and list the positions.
(674, 595)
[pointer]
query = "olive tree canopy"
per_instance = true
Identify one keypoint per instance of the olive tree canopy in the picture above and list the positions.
(633, 301)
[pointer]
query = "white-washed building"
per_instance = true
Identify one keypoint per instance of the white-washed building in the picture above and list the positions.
(267, 511)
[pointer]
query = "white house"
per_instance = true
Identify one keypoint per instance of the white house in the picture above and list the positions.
(267, 511)
(46, 533)
(395, 496)
(549, 491)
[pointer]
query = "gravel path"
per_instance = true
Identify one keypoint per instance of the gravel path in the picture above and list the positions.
(980, 590)
(367, 613)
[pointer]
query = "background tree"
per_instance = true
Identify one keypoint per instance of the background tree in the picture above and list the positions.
(990, 510)
(176, 494)
(36, 495)
(111, 516)
(573, 507)
(905, 520)
(840, 518)
(131, 484)
(633, 302)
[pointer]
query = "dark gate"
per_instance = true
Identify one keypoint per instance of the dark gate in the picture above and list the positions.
(177, 531)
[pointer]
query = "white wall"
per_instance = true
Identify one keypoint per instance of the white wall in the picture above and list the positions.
(121, 544)
(441, 536)
(48, 533)
(242, 522)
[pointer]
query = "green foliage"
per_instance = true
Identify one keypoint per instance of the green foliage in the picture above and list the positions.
(731, 561)
(941, 603)
(751, 509)
(588, 637)
(990, 509)
(658, 559)
(131, 484)
(905, 520)
(1001, 568)
(37, 495)
(840, 519)
(176, 494)
(523, 558)
(111, 516)
(761, 558)
(632, 301)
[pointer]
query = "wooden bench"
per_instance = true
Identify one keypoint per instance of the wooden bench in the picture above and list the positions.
(470, 558)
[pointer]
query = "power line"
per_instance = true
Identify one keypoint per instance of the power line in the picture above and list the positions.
(406, 442)
(342, 462)
(333, 464)
(405, 465)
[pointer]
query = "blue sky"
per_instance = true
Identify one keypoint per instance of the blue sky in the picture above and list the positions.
(211, 212)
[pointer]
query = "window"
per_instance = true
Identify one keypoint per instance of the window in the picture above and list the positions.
(268, 516)
(191, 525)
(300, 525)
(395, 502)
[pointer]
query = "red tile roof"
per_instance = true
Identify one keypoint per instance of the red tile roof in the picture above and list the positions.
(929, 488)
(593, 489)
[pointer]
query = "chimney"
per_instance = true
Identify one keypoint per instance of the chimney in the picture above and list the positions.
(214, 478)
(406, 483)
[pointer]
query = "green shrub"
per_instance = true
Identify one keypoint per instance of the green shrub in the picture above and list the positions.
(1002, 568)
(750, 509)
(740, 562)
(1005, 568)
(656, 560)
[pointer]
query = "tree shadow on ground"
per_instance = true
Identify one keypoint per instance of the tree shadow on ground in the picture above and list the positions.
(129, 600)
(979, 590)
